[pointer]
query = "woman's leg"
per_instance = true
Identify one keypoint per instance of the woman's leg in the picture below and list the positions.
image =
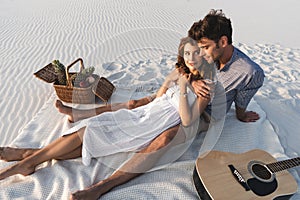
(60, 147)
(16, 154)
(76, 153)
(77, 114)
(137, 165)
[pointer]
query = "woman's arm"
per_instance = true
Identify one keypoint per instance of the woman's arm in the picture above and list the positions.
(189, 115)
(172, 77)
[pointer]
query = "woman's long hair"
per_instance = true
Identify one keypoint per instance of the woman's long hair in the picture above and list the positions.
(205, 69)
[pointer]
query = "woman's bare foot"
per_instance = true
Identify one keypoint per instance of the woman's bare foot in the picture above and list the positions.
(87, 194)
(19, 168)
(15, 154)
(65, 110)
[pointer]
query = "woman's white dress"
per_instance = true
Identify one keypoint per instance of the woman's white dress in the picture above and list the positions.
(129, 130)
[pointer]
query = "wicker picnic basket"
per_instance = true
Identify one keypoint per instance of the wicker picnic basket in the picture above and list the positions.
(102, 87)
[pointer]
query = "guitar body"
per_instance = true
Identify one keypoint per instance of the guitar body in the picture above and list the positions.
(223, 175)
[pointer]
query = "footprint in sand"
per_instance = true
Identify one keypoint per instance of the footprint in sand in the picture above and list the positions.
(117, 75)
(147, 76)
(113, 66)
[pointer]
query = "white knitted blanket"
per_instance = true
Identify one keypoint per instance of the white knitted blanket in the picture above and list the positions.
(57, 179)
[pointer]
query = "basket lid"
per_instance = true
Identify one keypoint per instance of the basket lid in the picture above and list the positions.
(47, 73)
(103, 89)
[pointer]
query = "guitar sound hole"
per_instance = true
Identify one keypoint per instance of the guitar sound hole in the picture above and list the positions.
(263, 182)
(261, 172)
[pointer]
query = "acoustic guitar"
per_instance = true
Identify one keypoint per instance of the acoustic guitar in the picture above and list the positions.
(251, 175)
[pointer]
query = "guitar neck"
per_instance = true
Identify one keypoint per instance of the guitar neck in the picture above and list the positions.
(283, 165)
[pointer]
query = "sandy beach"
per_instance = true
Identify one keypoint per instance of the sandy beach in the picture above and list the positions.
(133, 44)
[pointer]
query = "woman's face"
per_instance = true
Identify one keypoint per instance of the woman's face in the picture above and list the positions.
(192, 58)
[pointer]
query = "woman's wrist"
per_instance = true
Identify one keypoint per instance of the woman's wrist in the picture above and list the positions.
(183, 94)
(183, 90)
(183, 86)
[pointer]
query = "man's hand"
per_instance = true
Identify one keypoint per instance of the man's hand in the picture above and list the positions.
(246, 116)
(201, 88)
(250, 116)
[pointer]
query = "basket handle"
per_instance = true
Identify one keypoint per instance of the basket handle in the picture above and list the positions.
(69, 82)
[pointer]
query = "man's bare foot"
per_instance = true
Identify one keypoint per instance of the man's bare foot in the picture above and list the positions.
(19, 168)
(15, 154)
(87, 194)
(65, 110)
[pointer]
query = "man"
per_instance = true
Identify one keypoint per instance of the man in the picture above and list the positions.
(240, 76)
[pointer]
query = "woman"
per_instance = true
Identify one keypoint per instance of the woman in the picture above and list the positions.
(114, 132)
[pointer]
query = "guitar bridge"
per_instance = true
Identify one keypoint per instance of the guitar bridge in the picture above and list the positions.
(237, 175)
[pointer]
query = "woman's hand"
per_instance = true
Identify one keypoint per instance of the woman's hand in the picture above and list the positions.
(184, 80)
(172, 77)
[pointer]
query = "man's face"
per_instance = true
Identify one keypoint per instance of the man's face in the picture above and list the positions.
(210, 50)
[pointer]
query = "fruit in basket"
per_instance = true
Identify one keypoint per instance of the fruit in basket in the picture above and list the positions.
(60, 71)
(90, 79)
(82, 79)
(84, 84)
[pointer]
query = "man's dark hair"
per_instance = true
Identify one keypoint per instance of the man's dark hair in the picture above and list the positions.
(213, 26)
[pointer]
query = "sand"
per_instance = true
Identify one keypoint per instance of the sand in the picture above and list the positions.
(133, 44)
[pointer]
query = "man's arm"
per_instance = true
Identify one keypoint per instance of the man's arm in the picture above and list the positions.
(244, 96)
